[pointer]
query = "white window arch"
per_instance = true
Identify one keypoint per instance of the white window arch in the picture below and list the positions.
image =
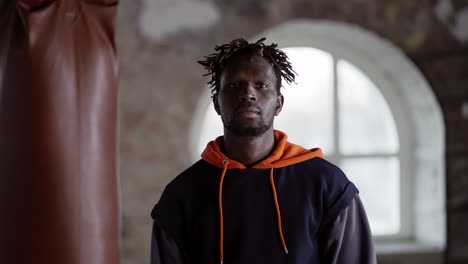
(329, 107)
(412, 153)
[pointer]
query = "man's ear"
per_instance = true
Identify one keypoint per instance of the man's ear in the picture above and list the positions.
(215, 103)
(279, 104)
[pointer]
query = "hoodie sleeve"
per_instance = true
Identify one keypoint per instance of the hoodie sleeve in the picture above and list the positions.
(348, 239)
(164, 249)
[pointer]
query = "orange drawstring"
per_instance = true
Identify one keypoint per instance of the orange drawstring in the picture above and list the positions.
(221, 220)
(278, 213)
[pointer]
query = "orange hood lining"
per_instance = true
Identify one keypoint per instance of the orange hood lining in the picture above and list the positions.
(284, 154)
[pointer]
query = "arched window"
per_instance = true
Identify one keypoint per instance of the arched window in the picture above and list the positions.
(368, 107)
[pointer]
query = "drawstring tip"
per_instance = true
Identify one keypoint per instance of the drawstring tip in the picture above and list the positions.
(285, 250)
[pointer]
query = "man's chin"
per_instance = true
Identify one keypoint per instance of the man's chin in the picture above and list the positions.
(248, 131)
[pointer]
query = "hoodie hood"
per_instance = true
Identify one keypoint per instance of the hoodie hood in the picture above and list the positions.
(284, 154)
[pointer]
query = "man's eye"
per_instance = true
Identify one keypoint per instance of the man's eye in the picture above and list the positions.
(262, 85)
(233, 85)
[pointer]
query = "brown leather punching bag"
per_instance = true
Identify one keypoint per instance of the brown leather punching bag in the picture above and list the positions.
(58, 104)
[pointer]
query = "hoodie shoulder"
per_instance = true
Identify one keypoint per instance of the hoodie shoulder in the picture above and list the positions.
(324, 165)
(328, 173)
(196, 168)
(180, 187)
(337, 190)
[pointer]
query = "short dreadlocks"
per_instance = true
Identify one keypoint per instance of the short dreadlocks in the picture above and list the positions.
(216, 62)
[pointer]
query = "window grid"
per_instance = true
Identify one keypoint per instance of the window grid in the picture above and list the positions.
(337, 157)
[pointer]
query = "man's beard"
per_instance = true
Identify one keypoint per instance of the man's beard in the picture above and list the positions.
(248, 131)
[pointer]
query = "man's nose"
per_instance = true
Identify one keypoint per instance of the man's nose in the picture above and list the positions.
(247, 93)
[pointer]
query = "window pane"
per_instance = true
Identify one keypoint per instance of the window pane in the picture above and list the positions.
(366, 123)
(211, 128)
(378, 182)
(307, 115)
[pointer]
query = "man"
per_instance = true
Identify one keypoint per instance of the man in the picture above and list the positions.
(254, 197)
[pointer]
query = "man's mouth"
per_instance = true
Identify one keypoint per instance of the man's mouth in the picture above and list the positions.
(248, 108)
(248, 111)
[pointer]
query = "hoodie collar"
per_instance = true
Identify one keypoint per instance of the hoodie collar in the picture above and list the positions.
(284, 154)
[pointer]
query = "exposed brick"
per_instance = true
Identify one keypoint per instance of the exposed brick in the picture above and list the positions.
(447, 73)
(457, 251)
(457, 182)
(456, 126)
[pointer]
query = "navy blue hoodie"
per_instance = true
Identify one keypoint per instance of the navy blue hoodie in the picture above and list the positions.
(218, 210)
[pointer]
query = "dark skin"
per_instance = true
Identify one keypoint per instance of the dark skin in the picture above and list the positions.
(247, 101)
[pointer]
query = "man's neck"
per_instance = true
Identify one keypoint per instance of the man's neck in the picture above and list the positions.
(248, 150)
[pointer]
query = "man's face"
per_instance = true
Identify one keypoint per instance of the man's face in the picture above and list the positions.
(247, 99)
